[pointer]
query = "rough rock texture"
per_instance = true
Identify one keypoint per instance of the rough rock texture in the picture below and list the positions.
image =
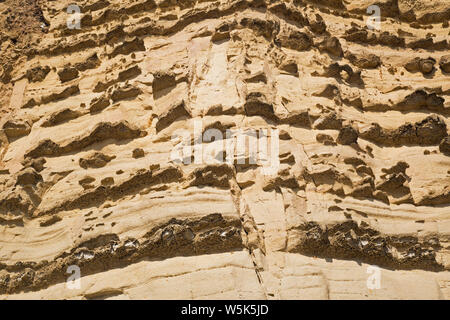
(87, 176)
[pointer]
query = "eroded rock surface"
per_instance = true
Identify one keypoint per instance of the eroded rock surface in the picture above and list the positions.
(93, 173)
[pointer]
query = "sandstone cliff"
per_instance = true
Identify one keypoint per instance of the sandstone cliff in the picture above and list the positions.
(359, 117)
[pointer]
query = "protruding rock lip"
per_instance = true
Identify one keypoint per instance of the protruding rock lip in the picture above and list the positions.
(120, 130)
(347, 240)
(210, 234)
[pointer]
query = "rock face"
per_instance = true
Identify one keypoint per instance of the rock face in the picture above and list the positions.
(242, 149)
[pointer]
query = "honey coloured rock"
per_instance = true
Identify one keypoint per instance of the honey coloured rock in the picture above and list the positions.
(224, 149)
